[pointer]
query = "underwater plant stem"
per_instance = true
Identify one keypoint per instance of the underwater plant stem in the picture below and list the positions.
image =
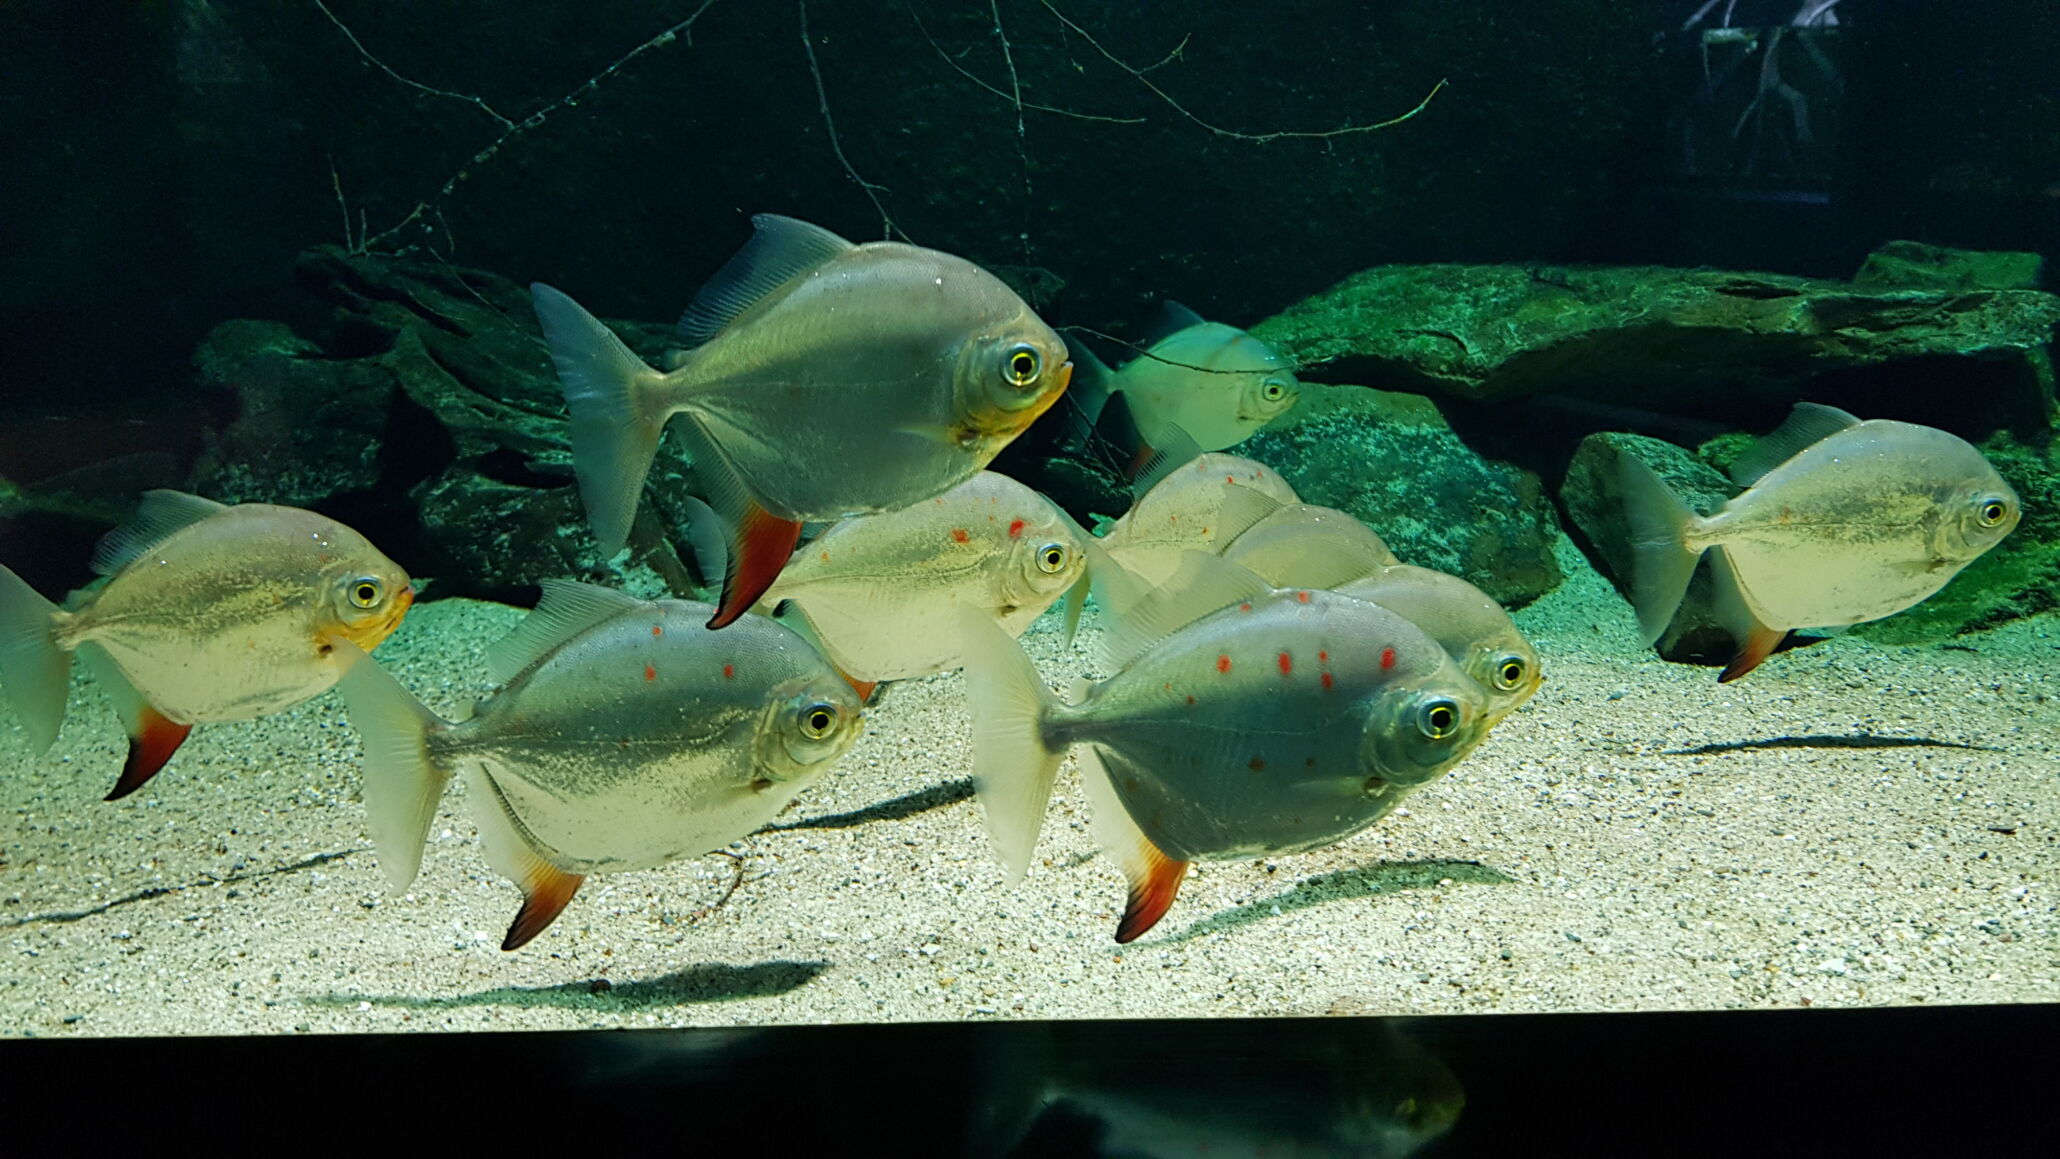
(1022, 137)
(382, 66)
(887, 227)
(1220, 131)
(1018, 96)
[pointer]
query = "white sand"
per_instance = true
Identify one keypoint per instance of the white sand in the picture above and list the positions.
(1581, 859)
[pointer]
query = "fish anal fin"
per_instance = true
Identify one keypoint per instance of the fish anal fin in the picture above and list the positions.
(1151, 894)
(544, 896)
(864, 688)
(762, 546)
(152, 740)
(1154, 877)
(1755, 647)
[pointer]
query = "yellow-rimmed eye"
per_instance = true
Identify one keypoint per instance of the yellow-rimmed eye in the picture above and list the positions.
(366, 592)
(1273, 390)
(818, 720)
(1992, 512)
(1051, 558)
(1438, 719)
(1021, 365)
(1509, 673)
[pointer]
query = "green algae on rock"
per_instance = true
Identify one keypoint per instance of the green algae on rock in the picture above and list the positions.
(1616, 334)
(1393, 462)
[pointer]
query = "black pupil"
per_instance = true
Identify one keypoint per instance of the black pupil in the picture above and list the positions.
(1441, 719)
(1992, 511)
(1052, 557)
(1512, 670)
(366, 593)
(1023, 364)
(819, 720)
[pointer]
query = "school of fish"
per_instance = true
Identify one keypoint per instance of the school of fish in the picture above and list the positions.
(1273, 678)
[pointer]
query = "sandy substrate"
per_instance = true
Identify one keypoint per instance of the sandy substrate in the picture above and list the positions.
(1850, 825)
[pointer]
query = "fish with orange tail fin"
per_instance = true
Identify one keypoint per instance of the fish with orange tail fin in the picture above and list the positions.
(210, 613)
(1241, 720)
(824, 379)
(1841, 521)
(627, 735)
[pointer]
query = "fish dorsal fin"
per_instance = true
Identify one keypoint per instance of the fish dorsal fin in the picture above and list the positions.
(1204, 584)
(160, 514)
(780, 249)
(567, 608)
(1176, 449)
(1808, 423)
(1173, 318)
(1243, 509)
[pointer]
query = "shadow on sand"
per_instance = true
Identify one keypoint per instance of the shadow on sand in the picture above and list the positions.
(907, 805)
(1344, 885)
(715, 982)
(1828, 742)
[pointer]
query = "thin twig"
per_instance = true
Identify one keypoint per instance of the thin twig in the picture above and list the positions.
(976, 79)
(872, 191)
(736, 879)
(413, 84)
(1163, 95)
(1022, 138)
(343, 207)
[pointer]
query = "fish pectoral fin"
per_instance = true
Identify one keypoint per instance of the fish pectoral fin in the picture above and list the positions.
(1154, 877)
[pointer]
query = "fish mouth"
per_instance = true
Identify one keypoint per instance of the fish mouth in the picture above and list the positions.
(371, 634)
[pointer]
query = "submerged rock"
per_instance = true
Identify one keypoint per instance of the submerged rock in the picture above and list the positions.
(1392, 461)
(1914, 265)
(1695, 340)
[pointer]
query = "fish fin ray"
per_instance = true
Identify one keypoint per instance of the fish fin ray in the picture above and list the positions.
(780, 250)
(1176, 449)
(759, 542)
(1807, 423)
(1204, 584)
(1154, 877)
(1661, 563)
(615, 425)
(153, 737)
(567, 608)
(1013, 767)
(403, 781)
(35, 671)
(159, 516)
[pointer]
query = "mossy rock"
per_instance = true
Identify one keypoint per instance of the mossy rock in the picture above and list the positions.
(1392, 461)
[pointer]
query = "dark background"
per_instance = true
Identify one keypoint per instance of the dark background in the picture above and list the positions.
(166, 159)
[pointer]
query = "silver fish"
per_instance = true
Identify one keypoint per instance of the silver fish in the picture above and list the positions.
(1465, 621)
(827, 379)
(1184, 511)
(1284, 721)
(1842, 521)
(210, 613)
(1215, 382)
(880, 591)
(628, 735)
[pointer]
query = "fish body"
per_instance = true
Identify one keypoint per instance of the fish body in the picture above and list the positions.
(1211, 380)
(829, 380)
(1304, 545)
(210, 613)
(629, 736)
(1183, 511)
(1283, 721)
(1842, 521)
(1466, 622)
(881, 591)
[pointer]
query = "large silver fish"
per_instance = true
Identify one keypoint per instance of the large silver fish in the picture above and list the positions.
(1842, 521)
(628, 735)
(1213, 381)
(827, 379)
(210, 613)
(1276, 721)
(881, 591)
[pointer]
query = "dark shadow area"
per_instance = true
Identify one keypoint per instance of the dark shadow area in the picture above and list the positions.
(899, 808)
(1344, 885)
(714, 982)
(1828, 742)
(166, 890)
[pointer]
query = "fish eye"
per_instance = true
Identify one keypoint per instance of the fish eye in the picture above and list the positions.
(1509, 673)
(817, 720)
(366, 591)
(1438, 719)
(1992, 512)
(1051, 557)
(1274, 390)
(1022, 364)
